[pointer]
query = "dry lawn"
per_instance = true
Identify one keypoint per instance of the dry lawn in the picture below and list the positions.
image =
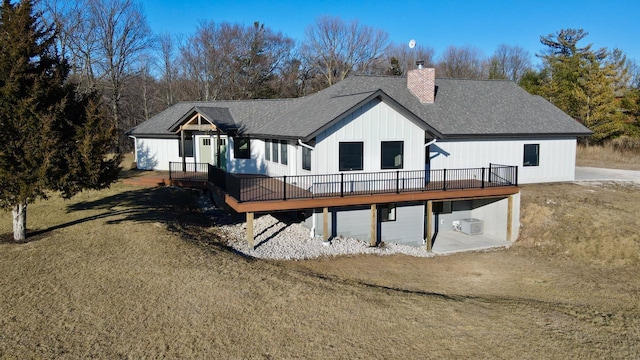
(606, 156)
(131, 273)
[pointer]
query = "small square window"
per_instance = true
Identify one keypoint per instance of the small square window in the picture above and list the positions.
(242, 148)
(392, 154)
(351, 156)
(206, 142)
(531, 155)
(388, 212)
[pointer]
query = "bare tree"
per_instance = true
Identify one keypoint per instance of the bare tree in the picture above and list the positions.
(230, 61)
(406, 57)
(123, 37)
(509, 62)
(337, 48)
(168, 68)
(76, 38)
(462, 62)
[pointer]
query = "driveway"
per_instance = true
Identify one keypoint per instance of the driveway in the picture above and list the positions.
(601, 174)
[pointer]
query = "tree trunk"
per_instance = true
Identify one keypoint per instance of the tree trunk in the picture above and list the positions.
(19, 213)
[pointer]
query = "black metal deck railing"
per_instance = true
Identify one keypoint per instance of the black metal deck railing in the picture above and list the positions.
(188, 171)
(263, 188)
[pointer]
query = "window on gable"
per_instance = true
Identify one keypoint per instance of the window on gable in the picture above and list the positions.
(306, 158)
(388, 212)
(188, 145)
(242, 148)
(274, 150)
(531, 155)
(351, 156)
(392, 155)
(283, 153)
(267, 149)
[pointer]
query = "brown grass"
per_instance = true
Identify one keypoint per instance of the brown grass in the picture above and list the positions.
(133, 273)
(613, 155)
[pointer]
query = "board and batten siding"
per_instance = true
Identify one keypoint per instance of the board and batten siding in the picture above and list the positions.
(557, 157)
(155, 154)
(371, 124)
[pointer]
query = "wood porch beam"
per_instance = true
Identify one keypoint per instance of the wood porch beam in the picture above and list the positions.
(374, 225)
(250, 229)
(429, 223)
(325, 224)
(510, 218)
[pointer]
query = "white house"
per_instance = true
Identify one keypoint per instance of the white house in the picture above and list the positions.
(396, 159)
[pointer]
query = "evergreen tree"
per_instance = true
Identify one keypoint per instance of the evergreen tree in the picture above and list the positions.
(51, 138)
(394, 67)
(581, 81)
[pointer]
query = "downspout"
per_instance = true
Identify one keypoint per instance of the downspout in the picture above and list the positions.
(305, 145)
(430, 142)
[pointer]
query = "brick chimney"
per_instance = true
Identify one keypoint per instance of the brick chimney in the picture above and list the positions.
(422, 83)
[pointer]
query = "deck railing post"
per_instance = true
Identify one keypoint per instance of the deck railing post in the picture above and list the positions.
(483, 177)
(341, 184)
(516, 179)
(490, 172)
(444, 179)
(284, 188)
(397, 181)
(170, 168)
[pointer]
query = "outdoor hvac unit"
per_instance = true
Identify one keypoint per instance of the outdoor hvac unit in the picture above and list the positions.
(472, 226)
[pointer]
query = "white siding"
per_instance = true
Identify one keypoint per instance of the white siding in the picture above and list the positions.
(254, 165)
(276, 168)
(556, 162)
(155, 154)
(373, 123)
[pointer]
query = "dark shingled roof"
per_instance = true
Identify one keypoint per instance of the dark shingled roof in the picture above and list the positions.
(462, 108)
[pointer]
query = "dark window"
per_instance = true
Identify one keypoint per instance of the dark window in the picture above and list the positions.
(306, 158)
(283, 153)
(531, 155)
(188, 146)
(267, 149)
(242, 148)
(392, 155)
(274, 151)
(388, 212)
(206, 142)
(350, 154)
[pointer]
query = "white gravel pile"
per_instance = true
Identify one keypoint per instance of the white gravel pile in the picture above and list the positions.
(286, 240)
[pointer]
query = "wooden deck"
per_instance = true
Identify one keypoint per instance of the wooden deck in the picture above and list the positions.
(161, 178)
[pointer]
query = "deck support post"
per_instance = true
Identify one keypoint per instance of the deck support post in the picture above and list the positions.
(250, 229)
(429, 223)
(510, 218)
(218, 148)
(184, 158)
(325, 224)
(374, 225)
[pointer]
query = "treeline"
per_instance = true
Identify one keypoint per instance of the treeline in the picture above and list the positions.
(111, 48)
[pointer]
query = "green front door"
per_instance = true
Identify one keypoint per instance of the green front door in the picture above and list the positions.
(205, 150)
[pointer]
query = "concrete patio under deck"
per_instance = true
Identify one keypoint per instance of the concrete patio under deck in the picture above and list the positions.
(450, 242)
